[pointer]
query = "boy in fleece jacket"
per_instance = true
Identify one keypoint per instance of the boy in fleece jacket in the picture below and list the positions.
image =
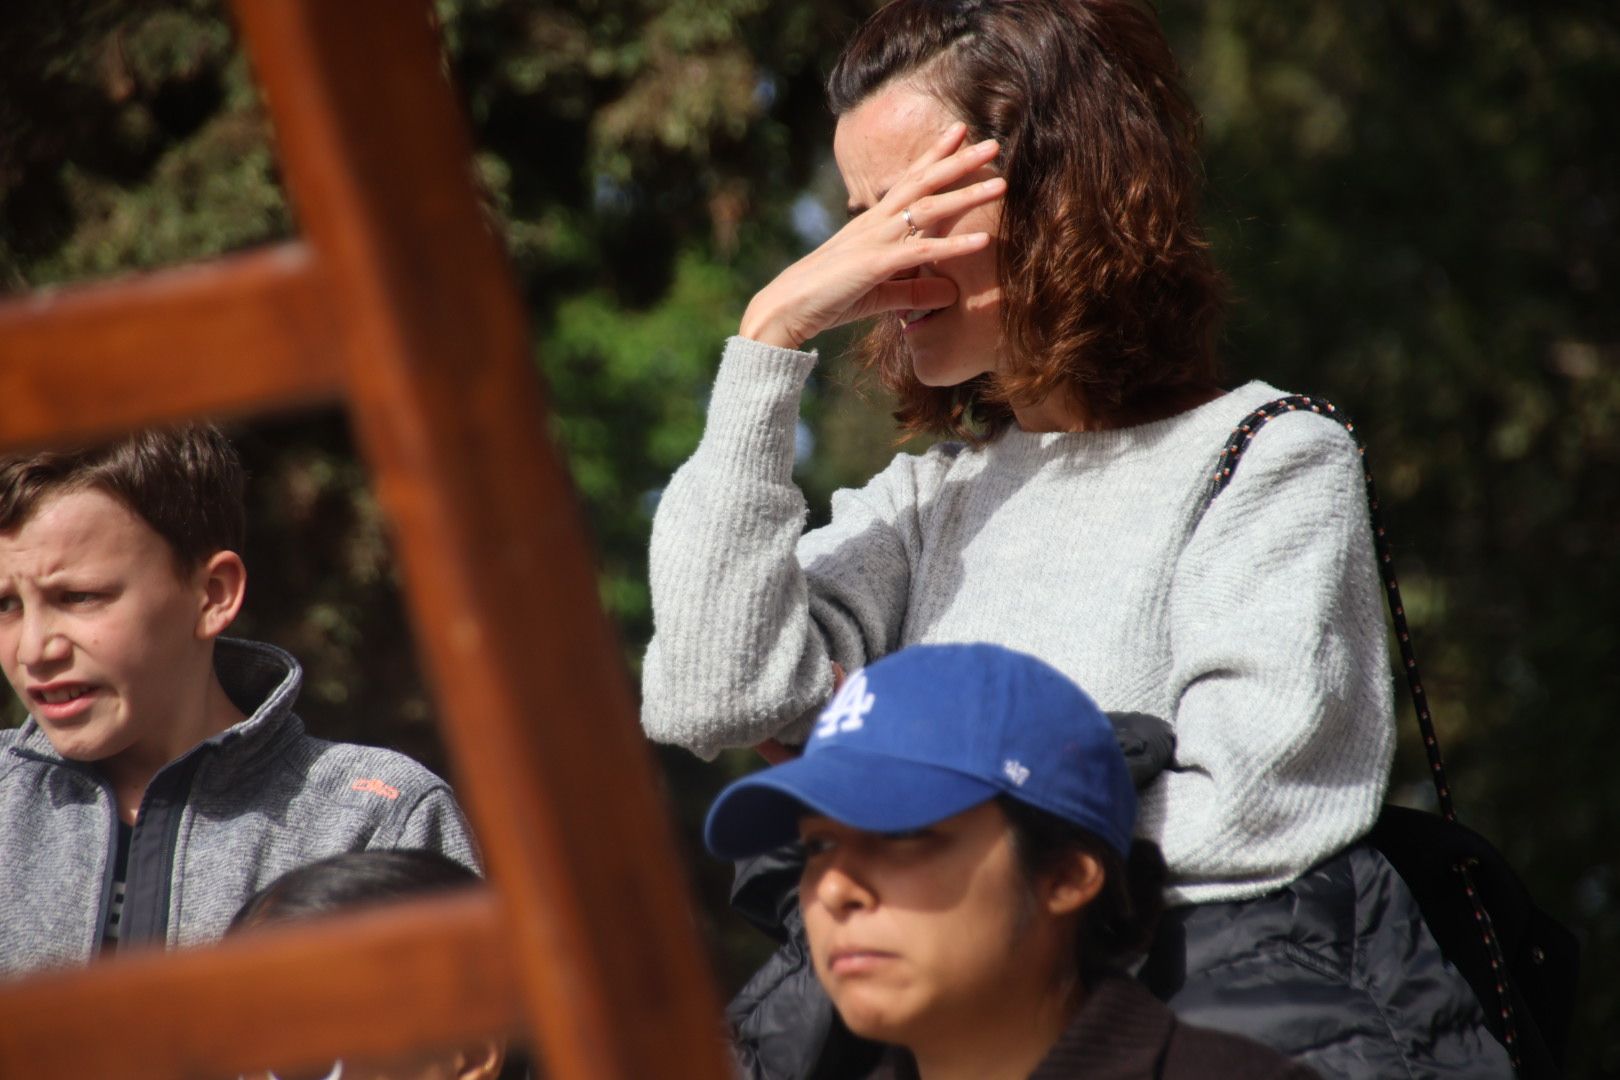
(161, 776)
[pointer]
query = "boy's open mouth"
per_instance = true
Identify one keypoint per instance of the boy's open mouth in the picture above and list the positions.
(60, 695)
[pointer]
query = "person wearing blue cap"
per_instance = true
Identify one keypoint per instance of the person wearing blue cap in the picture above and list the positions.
(971, 889)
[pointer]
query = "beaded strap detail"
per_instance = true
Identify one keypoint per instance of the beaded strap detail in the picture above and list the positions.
(1224, 468)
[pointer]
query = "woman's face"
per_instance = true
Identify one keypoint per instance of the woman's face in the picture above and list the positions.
(874, 145)
(921, 935)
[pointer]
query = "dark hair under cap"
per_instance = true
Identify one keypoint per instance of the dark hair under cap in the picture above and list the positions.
(1118, 925)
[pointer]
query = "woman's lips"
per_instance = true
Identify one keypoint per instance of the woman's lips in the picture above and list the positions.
(857, 961)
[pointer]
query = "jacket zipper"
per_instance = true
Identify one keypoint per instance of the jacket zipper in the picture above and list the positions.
(109, 869)
(148, 884)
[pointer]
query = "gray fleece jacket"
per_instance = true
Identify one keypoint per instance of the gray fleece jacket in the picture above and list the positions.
(215, 825)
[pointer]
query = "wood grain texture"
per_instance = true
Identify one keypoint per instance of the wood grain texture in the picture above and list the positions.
(540, 718)
(248, 332)
(428, 973)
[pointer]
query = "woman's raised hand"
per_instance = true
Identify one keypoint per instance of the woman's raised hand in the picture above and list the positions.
(868, 267)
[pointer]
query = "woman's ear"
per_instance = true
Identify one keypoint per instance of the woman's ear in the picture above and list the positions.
(480, 1061)
(223, 583)
(1074, 883)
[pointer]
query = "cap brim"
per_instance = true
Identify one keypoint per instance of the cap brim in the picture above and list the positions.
(863, 790)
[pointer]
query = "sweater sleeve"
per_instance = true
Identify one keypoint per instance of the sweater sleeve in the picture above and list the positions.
(748, 614)
(1280, 672)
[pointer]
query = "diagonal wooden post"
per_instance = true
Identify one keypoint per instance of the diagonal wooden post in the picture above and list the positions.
(540, 720)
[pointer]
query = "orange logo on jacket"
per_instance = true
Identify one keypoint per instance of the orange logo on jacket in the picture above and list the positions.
(376, 787)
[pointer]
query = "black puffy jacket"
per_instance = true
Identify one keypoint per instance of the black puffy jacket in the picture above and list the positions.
(1336, 970)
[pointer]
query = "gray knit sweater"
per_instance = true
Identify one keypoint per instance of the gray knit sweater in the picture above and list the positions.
(1255, 627)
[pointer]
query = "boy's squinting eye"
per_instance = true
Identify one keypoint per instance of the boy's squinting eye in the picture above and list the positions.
(9, 604)
(77, 597)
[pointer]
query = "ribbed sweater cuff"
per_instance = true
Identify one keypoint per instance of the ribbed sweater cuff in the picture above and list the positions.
(754, 409)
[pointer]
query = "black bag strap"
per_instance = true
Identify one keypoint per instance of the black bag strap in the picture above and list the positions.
(1227, 463)
(1241, 436)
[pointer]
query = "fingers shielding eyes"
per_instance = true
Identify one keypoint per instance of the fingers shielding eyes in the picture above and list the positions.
(946, 161)
(945, 164)
(869, 266)
(930, 210)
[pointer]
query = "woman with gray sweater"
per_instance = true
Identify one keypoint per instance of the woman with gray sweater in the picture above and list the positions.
(1023, 196)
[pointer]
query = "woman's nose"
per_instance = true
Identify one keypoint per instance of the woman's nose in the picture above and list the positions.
(841, 888)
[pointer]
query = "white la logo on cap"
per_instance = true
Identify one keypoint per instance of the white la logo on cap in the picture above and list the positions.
(848, 708)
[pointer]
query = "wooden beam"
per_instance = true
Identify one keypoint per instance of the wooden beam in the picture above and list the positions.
(251, 331)
(541, 720)
(430, 972)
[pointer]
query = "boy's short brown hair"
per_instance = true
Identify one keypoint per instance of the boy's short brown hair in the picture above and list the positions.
(185, 481)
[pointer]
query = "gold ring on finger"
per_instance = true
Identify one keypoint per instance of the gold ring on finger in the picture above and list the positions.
(911, 226)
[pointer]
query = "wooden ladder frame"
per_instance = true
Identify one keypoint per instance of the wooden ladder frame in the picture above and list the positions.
(397, 300)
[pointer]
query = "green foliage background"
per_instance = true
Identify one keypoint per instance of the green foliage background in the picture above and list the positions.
(1418, 204)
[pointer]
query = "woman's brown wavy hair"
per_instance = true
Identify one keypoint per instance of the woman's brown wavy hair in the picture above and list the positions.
(1108, 289)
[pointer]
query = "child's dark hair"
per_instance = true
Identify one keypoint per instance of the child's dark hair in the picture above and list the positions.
(1118, 924)
(350, 880)
(185, 481)
(360, 879)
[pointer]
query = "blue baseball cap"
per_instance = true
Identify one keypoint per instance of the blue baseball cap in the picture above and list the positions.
(929, 732)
